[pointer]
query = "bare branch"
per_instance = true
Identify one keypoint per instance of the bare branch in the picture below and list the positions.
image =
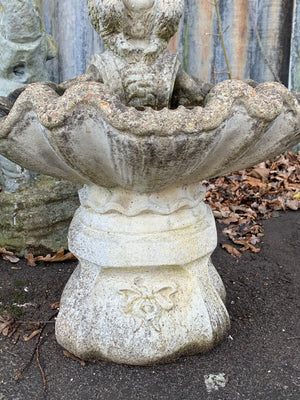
(216, 4)
(275, 75)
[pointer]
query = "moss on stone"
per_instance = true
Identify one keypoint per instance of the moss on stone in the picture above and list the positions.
(36, 219)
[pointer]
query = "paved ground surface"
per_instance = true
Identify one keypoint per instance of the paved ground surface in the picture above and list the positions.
(260, 358)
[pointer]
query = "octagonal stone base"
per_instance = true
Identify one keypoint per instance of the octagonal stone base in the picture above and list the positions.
(145, 290)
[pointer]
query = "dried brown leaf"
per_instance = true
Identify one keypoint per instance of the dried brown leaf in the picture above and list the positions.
(32, 335)
(18, 374)
(231, 250)
(16, 338)
(30, 260)
(260, 172)
(253, 240)
(230, 220)
(8, 255)
(292, 204)
(217, 214)
(58, 257)
(13, 259)
(5, 252)
(8, 324)
(73, 357)
(255, 182)
(55, 306)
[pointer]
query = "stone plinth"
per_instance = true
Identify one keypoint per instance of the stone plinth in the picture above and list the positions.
(145, 290)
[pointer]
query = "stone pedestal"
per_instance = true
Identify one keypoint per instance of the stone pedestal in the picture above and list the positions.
(145, 290)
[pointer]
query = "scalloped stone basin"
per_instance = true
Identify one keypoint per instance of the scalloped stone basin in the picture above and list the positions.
(145, 290)
(88, 136)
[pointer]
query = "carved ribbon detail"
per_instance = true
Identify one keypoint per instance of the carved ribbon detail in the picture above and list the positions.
(147, 304)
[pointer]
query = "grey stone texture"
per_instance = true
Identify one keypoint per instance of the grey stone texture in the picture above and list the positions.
(36, 219)
(25, 48)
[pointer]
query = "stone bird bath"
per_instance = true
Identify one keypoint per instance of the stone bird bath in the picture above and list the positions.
(140, 135)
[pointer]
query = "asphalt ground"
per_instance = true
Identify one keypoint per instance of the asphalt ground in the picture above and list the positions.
(259, 360)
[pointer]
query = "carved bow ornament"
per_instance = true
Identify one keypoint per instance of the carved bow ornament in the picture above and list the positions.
(146, 304)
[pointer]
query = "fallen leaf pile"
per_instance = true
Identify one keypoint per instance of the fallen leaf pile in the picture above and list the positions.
(241, 200)
(58, 257)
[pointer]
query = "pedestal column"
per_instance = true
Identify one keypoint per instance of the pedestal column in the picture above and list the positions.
(145, 290)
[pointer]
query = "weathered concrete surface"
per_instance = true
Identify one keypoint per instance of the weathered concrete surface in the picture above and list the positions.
(149, 259)
(144, 257)
(32, 218)
(36, 219)
(25, 48)
(106, 143)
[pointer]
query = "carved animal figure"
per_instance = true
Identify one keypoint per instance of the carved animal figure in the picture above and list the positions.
(126, 25)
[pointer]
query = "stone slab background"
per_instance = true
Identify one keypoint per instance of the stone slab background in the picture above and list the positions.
(276, 21)
(67, 21)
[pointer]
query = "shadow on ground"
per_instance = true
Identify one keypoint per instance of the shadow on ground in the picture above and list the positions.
(260, 357)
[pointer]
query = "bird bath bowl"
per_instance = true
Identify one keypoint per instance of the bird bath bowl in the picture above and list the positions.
(145, 290)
